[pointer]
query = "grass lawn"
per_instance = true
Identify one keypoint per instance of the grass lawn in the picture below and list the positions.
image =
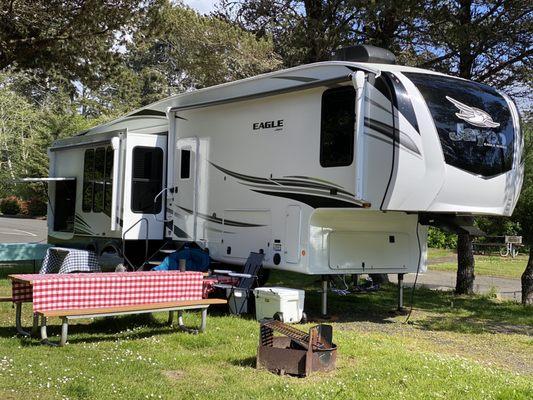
(453, 348)
(491, 265)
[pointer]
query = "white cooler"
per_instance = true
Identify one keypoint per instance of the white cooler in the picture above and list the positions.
(287, 303)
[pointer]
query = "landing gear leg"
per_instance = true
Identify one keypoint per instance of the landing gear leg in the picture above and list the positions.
(324, 292)
(400, 293)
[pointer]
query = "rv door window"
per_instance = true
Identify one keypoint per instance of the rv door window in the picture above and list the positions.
(185, 169)
(337, 127)
(147, 179)
(88, 170)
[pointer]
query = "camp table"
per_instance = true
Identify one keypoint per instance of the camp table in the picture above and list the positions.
(66, 260)
(104, 291)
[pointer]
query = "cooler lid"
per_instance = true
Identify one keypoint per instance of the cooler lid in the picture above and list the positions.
(277, 291)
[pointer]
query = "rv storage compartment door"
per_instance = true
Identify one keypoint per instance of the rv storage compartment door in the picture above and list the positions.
(246, 230)
(377, 250)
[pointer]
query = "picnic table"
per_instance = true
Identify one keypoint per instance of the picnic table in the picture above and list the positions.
(87, 295)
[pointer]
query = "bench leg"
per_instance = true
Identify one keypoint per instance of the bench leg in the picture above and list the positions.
(204, 320)
(35, 326)
(170, 317)
(64, 331)
(44, 334)
(182, 326)
(18, 318)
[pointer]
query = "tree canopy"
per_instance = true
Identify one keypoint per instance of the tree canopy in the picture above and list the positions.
(79, 39)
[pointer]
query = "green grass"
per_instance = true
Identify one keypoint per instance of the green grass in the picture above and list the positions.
(440, 253)
(454, 348)
(491, 265)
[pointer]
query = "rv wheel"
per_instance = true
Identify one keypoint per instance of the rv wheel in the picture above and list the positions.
(278, 316)
(304, 318)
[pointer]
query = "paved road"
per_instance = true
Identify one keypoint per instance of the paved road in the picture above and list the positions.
(444, 280)
(22, 230)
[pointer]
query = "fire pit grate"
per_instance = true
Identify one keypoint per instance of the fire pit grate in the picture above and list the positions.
(296, 352)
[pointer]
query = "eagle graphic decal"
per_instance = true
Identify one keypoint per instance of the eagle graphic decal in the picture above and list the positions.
(473, 115)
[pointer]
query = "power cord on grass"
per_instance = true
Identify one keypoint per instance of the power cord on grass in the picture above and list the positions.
(416, 276)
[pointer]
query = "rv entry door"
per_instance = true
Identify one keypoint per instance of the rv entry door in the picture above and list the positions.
(185, 197)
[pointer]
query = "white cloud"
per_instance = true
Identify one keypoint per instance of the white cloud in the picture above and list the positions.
(202, 6)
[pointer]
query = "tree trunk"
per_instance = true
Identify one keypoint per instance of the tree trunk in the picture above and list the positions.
(465, 265)
(527, 280)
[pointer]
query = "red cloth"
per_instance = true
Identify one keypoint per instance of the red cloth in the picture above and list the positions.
(21, 292)
(210, 282)
(99, 290)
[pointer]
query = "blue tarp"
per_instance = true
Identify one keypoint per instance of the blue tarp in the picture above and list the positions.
(22, 251)
(196, 260)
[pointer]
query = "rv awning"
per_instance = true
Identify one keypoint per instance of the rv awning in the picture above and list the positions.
(55, 179)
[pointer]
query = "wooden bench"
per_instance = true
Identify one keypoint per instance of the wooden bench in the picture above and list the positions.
(170, 307)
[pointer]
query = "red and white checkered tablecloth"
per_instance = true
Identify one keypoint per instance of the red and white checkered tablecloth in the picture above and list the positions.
(99, 290)
(21, 292)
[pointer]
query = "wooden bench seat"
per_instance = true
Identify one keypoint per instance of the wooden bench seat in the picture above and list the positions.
(170, 307)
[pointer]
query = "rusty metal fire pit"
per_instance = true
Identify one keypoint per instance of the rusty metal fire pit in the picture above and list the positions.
(295, 353)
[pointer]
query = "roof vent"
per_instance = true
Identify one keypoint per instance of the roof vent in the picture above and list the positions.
(364, 53)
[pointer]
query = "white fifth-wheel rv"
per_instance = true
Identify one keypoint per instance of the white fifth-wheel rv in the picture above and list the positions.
(334, 167)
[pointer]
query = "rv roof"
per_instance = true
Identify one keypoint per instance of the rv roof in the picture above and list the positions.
(301, 77)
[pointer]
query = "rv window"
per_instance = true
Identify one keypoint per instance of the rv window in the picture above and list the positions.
(88, 170)
(337, 127)
(99, 166)
(185, 170)
(147, 179)
(108, 191)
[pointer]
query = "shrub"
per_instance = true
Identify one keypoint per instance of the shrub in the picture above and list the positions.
(10, 205)
(36, 207)
(23, 207)
(441, 240)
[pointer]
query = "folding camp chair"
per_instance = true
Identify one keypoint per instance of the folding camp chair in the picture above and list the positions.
(239, 293)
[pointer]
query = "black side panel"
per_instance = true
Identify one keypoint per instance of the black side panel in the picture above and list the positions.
(473, 121)
(403, 101)
(64, 208)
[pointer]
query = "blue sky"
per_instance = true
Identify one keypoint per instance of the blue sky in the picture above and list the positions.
(202, 6)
